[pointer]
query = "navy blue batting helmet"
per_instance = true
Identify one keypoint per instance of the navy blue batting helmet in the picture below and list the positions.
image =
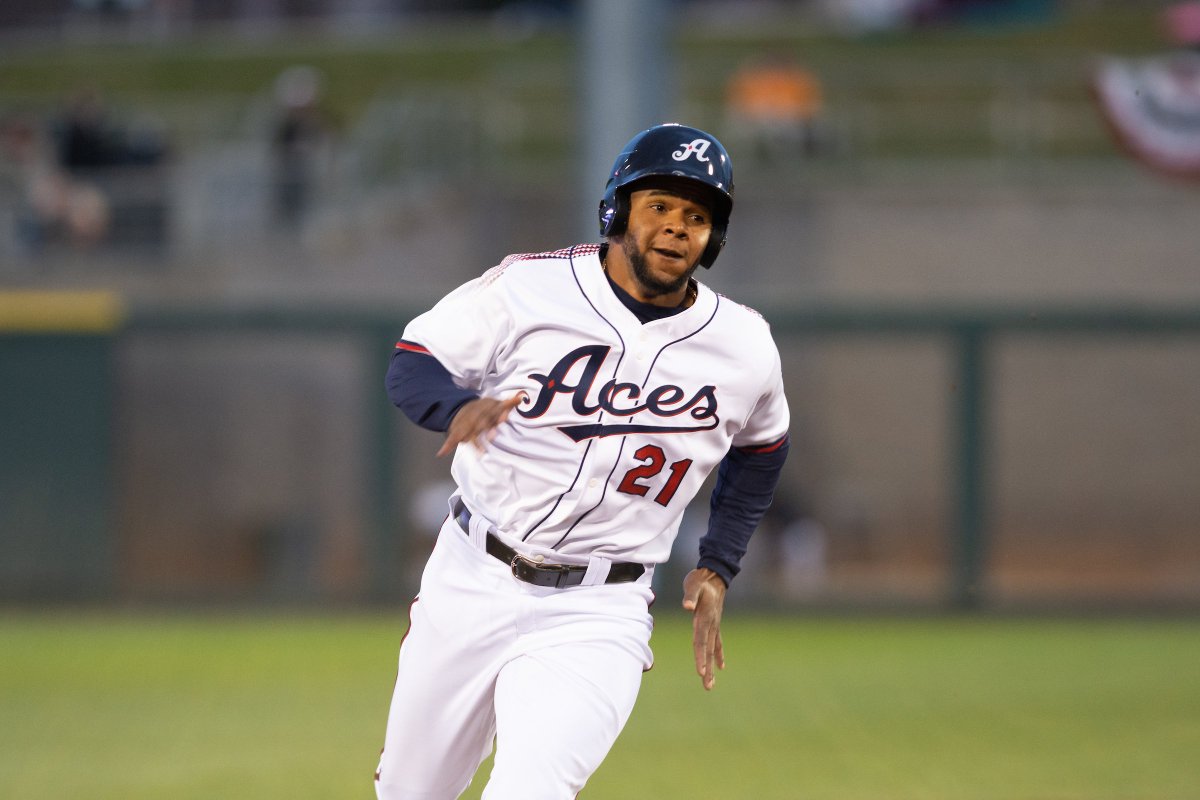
(671, 150)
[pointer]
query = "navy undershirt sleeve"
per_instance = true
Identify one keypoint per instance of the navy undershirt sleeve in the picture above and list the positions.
(746, 481)
(424, 390)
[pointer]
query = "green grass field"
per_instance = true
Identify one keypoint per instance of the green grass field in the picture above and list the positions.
(137, 706)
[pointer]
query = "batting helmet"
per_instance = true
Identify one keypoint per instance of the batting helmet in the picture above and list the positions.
(671, 150)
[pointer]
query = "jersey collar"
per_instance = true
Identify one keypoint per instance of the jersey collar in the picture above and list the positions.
(596, 287)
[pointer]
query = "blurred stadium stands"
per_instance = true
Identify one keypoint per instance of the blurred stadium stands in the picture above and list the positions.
(246, 452)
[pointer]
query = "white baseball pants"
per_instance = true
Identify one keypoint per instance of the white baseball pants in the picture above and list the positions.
(550, 675)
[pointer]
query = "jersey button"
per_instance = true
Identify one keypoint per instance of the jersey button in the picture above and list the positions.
(593, 483)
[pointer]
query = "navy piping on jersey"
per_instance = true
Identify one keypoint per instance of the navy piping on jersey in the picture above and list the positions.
(600, 502)
(588, 449)
(662, 349)
(575, 480)
(638, 309)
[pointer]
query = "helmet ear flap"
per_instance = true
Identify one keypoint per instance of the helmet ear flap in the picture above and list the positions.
(716, 241)
(614, 214)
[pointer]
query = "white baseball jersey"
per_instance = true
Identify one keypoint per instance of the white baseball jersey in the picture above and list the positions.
(621, 421)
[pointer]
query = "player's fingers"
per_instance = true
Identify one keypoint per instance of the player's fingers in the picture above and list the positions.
(461, 426)
(703, 643)
(477, 421)
(459, 432)
(710, 648)
(691, 591)
(497, 414)
(720, 652)
(699, 638)
(691, 595)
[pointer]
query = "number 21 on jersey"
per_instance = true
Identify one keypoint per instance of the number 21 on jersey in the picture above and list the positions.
(641, 479)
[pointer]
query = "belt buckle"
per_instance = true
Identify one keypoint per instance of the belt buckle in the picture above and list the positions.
(520, 563)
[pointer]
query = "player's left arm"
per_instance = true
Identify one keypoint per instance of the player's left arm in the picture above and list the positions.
(746, 481)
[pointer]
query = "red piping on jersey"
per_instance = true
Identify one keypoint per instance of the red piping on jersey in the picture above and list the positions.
(766, 448)
(412, 348)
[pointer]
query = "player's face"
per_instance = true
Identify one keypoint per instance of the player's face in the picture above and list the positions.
(669, 227)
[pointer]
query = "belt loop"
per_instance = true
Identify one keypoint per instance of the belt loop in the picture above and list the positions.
(479, 531)
(597, 571)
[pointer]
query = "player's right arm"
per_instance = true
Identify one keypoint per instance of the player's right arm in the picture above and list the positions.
(423, 389)
(427, 394)
(437, 373)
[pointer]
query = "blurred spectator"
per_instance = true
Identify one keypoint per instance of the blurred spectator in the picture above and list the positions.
(299, 136)
(107, 185)
(777, 105)
(88, 140)
(83, 141)
(51, 205)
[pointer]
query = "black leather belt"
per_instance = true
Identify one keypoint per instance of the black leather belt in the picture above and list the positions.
(530, 571)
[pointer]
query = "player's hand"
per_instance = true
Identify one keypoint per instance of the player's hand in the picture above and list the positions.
(704, 596)
(476, 422)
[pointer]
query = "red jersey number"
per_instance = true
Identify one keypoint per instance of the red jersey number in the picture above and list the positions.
(653, 459)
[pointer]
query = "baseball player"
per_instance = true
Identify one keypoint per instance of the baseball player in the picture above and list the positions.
(585, 393)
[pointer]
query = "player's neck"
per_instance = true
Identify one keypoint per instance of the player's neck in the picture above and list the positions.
(618, 269)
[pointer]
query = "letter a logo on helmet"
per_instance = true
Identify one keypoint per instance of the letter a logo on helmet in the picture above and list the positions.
(671, 151)
(697, 146)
